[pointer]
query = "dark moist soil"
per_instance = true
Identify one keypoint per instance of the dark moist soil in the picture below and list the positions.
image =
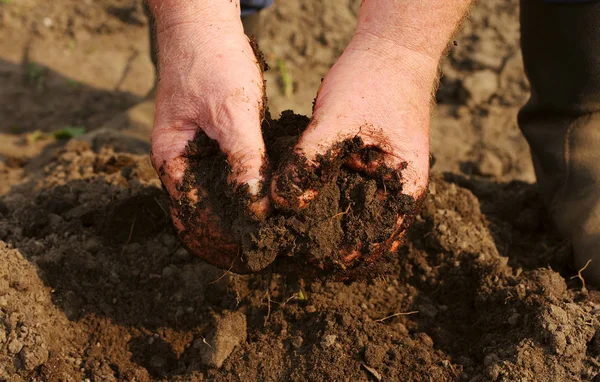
(353, 210)
(94, 284)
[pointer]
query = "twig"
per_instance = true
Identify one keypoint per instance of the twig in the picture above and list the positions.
(583, 288)
(340, 213)
(266, 319)
(228, 271)
(129, 237)
(396, 315)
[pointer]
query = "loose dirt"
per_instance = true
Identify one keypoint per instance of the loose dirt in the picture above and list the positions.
(94, 283)
(352, 211)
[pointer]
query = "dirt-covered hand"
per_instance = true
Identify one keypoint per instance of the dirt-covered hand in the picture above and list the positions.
(210, 89)
(372, 116)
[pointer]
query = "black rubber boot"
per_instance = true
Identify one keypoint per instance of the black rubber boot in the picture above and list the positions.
(561, 121)
(252, 25)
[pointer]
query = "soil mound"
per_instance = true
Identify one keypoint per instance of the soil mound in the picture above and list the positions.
(91, 289)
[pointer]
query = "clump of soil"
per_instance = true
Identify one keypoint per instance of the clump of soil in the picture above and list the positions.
(352, 211)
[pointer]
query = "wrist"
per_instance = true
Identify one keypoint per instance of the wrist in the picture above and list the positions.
(169, 14)
(407, 67)
(424, 27)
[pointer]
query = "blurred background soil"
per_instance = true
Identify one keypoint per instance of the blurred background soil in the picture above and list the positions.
(94, 284)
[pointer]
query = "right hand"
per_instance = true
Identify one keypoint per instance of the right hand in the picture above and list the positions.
(210, 83)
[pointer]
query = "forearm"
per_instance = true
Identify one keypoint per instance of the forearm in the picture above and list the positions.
(421, 26)
(205, 13)
(179, 27)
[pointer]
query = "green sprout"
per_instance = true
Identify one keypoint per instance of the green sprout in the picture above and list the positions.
(286, 78)
(36, 75)
(69, 132)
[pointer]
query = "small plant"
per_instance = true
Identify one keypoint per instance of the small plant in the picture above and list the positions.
(71, 45)
(5, 2)
(36, 136)
(36, 75)
(286, 78)
(301, 295)
(65, 133)
(72, 84)
(69, 132)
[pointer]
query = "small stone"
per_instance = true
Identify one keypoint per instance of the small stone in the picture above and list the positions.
(33, 357)
(182, 254)
(490, 165)
(157, 362)
(169, 240)
(328, 341)
(229, 332)
(15, 346)
(428, 310)
(91, 245)
(374, 354)
(480, 86)
(310, 309)
(296, 342)
(514, 319)
(168, 271)
(377, 375)
(558, 340)
(425, 339)
(490, 359)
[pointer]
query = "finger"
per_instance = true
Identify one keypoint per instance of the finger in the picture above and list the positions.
(174, 146)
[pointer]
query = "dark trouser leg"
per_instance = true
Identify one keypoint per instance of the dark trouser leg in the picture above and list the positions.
(561, 121)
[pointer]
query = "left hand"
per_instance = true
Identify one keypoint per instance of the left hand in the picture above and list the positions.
(381, 93)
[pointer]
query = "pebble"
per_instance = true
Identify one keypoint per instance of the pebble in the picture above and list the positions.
(490, 359)
(31, 358)
(229, 332)
(428, 310)
(15, 346)
(182, 254)
(425, 339)
(514, 319)
(168, 271)
(169, 240)
(54, 220)
(490, 165)
(157, 362)
(480, 86)
(328, 340)
(91, 245)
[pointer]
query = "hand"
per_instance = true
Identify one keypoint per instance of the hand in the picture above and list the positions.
(379, 92)
(210, 85)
